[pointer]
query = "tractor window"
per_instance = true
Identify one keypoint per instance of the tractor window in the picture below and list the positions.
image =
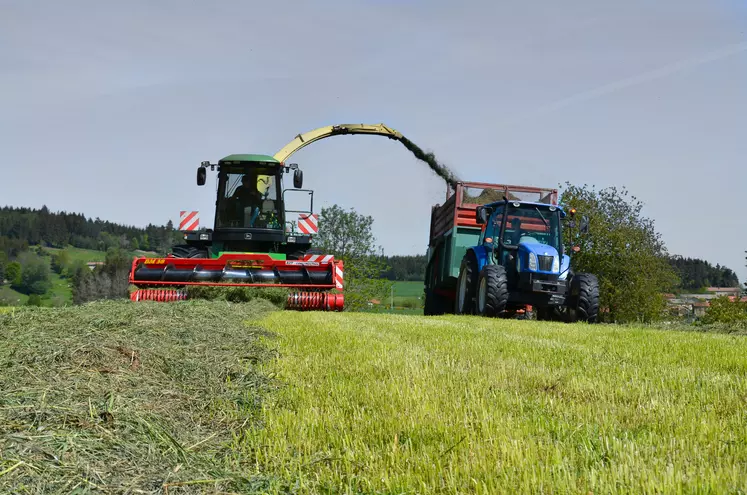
(531, 224)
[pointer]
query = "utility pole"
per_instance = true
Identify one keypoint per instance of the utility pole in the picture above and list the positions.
(391, 298)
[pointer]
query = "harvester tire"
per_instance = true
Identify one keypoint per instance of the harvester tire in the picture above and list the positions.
(492, 291)
(585, 297)
(466, 285)
(187, 251)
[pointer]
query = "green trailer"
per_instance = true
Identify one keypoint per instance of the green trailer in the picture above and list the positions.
(454, 229)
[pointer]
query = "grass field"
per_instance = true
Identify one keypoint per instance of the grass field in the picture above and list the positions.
(407, 298)
(400, 404)
(213, 397)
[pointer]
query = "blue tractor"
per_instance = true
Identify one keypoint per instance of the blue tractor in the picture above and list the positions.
(520, 262)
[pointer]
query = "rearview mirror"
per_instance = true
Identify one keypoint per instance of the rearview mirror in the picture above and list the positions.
(298, 178)
(201, 176)
(482, 215)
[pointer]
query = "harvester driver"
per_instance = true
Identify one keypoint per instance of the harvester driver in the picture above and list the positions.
(246, 198)
(248, 193)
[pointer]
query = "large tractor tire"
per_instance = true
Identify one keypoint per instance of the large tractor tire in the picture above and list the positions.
(492, 291)
(585, 297)
(187, 251)
(466, 285)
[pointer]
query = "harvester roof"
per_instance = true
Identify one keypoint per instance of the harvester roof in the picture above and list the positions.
(249, 158)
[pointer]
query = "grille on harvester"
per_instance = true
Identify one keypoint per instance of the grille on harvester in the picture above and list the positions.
(545, 263)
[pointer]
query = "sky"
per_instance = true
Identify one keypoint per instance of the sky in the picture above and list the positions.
(107, 108)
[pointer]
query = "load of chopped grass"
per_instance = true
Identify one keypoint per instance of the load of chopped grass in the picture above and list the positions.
(117, 397)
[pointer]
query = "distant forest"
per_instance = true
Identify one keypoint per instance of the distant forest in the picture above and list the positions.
(24, 227)
(696, 274)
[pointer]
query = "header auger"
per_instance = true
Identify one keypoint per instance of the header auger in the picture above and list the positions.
(256, 240)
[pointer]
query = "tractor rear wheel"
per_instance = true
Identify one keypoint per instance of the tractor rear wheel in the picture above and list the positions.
(585, 297)
(187, 251)
(466, 284)
(492, 291)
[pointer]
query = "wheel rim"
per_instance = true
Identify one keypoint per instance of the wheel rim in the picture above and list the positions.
(481, 296)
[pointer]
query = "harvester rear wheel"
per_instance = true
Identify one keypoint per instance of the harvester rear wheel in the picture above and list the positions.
(187, 251)
(492, 291)
(466, 284)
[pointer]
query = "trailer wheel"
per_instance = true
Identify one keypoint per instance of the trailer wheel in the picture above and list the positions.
(492, 291)
(434, 304)
(466, 283)
(187, 251)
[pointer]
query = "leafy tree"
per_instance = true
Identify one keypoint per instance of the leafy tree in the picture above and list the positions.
(60, 261)
(348, 236)
(623, 250)
(34, 275)
(13, 273)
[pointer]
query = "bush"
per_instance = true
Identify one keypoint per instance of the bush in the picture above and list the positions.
(724, 310)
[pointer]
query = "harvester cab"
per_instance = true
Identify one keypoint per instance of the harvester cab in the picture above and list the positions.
(520, 261)
(250, 210)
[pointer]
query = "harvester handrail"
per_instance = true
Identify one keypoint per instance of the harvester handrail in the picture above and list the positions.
(309, 137)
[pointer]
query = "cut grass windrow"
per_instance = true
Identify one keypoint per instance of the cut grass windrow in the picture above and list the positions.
(399, 404)
(117, 397)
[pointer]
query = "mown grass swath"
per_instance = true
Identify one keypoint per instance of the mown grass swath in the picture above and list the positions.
(399, 404)
(114, 396)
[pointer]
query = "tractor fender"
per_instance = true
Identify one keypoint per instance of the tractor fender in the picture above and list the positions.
(482, 255)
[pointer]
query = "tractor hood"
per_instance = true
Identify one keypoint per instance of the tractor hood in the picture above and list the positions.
(537, 248)
(538, 257)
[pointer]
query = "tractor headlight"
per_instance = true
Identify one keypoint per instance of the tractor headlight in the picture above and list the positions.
(555, 264)
(533, 262)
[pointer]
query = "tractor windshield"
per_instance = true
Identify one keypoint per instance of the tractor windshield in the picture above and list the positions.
(248, 198)
(531, 224)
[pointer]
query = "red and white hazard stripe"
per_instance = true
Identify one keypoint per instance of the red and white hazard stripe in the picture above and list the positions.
(189, 220)
(320, 258)
(338, 275)
(307, 223)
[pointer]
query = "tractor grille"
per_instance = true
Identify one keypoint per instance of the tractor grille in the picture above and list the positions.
(545, 263)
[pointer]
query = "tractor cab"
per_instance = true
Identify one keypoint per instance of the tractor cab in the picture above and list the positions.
(250, 207)
(526, 238)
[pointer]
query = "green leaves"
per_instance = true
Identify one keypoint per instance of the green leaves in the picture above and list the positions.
(348, 236)
(623, 249)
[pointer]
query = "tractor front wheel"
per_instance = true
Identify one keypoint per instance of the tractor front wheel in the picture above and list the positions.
(492, 291)
(585, 297)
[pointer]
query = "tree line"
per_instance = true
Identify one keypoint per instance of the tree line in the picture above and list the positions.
(24, 227)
